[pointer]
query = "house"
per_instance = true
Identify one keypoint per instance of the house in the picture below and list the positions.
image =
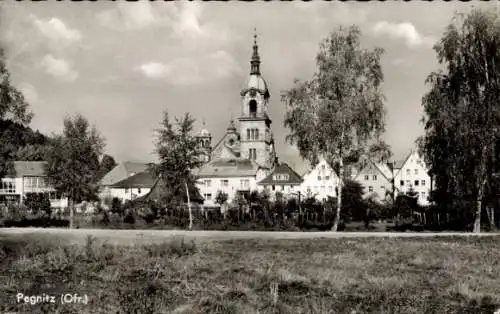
(114, 183)
(134, 186)
(320, 182)
(158, 189)
(412, 174)
(245, 154)
(230, 176)
(282, 179)
(376, 179)
(29, 177)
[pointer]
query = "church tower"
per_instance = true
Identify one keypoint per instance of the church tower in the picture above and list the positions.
(205, 140)
(255, 125)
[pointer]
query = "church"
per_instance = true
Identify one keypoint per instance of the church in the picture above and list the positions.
(245, 154)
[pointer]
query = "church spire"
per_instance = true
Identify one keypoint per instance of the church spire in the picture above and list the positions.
(255, 61)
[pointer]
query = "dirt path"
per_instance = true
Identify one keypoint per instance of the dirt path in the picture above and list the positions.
(135, 236)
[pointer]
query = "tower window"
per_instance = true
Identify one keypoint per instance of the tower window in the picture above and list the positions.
(252, 106)
(256, 134)
(248, 134)
(252, 153)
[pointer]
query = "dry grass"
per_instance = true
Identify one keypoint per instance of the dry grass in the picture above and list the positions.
(445, 275)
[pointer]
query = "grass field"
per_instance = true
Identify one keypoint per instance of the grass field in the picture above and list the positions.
(369, 275)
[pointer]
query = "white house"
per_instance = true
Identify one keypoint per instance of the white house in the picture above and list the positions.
(320, 182)
(282, 179)
(376, 179)
(126, 181)
(412, 174)
(29, 177)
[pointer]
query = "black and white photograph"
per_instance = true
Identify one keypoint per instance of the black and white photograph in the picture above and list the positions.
(249, 157)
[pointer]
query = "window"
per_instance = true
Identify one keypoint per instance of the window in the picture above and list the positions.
(370, 189)
(401, 183)
(323, 167)
(208, 183)
(126, 190)
(416, 182)
(423, 194)
(323, 188)
(330, 188)
(248, 134)
(139, 191)
(245, 184)
(252, 153)
(319, 178)
(8, 187)
(256, 134)
(208, 196)
(281, 177)
(416, 171)
(224, 182)
(252, 108)
(366, 178)
(327, 178)
(374, 177)
(408, 171)
(382, 187)
(282, 187)
(274, 187)
(423, 182)
(408, 182)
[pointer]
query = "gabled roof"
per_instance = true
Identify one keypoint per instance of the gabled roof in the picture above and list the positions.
(159, 187)
(123, 171)
(228, 168)
(29, 168)
(282, 168)
(382, 168)
(140, 180)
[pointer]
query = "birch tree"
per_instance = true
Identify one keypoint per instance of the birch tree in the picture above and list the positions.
(462, 109)
(341, 109)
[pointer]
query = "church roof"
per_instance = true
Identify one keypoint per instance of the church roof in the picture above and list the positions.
(228, 168)
(256, 81)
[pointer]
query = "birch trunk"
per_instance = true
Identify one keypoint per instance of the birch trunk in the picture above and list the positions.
(189, 208)
(71, 203)
(339, 195)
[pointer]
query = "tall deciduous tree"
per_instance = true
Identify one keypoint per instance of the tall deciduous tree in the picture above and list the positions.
(179, 153)
(338, 111)
(73, 161)
(462, 110)
(14, 117)
(107, 164)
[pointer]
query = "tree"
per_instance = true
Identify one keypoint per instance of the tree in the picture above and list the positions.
(179, 153)
(221, 198)
(106, 165)
(38, 203)
(341, 108)
(462, 114)
(73, 161)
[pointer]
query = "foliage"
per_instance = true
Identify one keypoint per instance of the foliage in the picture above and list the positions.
(38, 203)
(116, 206)
(73, 161)
(221, 198)
(106, 165)
(179, 153)
(462, 112)
(341, 108)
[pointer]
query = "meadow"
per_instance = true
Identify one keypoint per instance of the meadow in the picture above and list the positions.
(369, 275)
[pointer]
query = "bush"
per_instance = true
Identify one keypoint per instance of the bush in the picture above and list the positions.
(44, 222)
(129, 218)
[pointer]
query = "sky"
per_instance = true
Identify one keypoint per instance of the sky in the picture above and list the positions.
(121, 65)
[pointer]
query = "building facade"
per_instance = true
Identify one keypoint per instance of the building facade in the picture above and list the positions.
(282, 179)
(29, 177)
(320, 182)
(412, 174)
(126, 181)
(376, 179)
(245, 154)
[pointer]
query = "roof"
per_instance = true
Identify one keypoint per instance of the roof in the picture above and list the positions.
(29, 168)
(140, 180)
(382, 168)
(282, 168)
(123, 171)
(228, 168)
(159, 187)
(257, 81)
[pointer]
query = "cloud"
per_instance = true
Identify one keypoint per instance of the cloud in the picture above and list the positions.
(58, 68)
(129, 16)
(185, 71)
(56, 30)
(405, 31)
